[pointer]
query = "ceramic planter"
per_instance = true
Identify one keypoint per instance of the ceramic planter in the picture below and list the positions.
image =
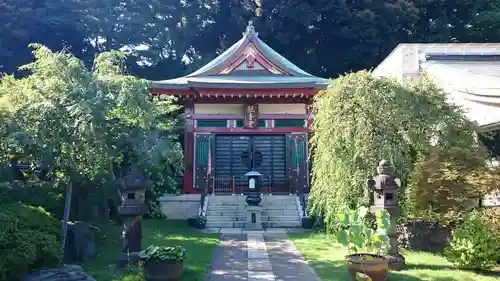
(167, 270)
(375, 266)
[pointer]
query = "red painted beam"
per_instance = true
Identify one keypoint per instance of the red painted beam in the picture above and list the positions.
(259, 92)
(267, 100)
(200, 116)
(251, 131)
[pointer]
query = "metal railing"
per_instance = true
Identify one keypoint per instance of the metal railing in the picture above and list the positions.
(239, 185)
(202, 209)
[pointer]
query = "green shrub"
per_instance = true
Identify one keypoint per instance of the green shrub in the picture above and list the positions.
(491, 216)
(29, 239)
(34, 193)
(447, 182)
(473, 244)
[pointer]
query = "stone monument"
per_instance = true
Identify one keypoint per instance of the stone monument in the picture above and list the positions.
(132, 189)
(385, 187)
(253, 208)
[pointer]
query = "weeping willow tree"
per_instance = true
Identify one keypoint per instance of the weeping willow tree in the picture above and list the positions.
(362, 119)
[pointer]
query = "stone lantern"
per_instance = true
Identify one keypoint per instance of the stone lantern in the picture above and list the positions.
(385, 187)
(253, 208)
(132, 189)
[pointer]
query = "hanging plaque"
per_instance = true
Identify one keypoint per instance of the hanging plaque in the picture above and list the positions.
(251, 116)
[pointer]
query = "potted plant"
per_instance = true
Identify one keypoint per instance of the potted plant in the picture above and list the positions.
(163, 263)
(366, 259)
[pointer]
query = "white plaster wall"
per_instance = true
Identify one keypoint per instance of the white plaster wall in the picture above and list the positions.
(218, 108)
(392, 66)
(284, 108)
(181, 206)
(264, 108)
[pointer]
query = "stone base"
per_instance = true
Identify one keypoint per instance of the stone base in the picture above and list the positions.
(254, 218)
(396, 262)
(127, 260)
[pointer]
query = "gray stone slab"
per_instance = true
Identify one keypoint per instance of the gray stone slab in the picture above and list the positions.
(255, 237)
(211, 230)
(229, 262)
(256, 243)
(230, 230)
(297, 230)
(286, 261)
(276, 230)
(259, 265)
(254, 231)
(256, 254)
(260, 276)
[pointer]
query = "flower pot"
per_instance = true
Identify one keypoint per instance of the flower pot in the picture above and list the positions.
(155, 270)
(375, 266)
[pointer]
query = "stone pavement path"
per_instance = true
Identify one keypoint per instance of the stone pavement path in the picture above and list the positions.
(258, 257)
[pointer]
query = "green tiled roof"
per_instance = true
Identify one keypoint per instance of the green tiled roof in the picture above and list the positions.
(207, 75)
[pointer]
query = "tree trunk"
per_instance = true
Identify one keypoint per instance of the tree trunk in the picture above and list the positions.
(67, 208)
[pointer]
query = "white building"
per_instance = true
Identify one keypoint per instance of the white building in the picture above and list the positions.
(469, 73)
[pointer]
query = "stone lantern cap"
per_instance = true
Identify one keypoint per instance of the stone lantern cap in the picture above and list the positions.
(253, 173)
(133, 182)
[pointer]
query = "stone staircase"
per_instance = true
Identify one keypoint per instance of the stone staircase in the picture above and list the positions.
(228, 211)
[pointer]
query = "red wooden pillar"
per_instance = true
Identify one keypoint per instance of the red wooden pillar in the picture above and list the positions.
(187, 184)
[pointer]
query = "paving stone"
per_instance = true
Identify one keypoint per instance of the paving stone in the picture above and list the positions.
(259, 265)
(257, 245)
(230, 230)
(260, 276)
(229, 262)
(286, 261)
(255, 237)
(252, 254)
(210, 230)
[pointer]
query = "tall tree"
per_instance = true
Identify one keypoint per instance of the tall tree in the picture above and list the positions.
(81, 123)
(362, 119)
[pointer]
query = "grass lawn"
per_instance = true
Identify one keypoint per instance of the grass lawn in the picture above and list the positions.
(199, 247)
(327, 259)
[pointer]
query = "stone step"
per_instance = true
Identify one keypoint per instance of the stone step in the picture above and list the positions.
(242, 213)
(211, 212)
(280, 218)
(243, 202)
(228, 224)
(278, 201)
(280, 207)
(279, 212)
(282, 224)
(226, 218)
(263, 218)
(229, 198)
(224, 224)
(243, 208)
(222, 208)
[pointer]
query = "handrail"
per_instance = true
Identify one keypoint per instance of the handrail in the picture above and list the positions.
(201, 211)
(302, 199)
(268, 185)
